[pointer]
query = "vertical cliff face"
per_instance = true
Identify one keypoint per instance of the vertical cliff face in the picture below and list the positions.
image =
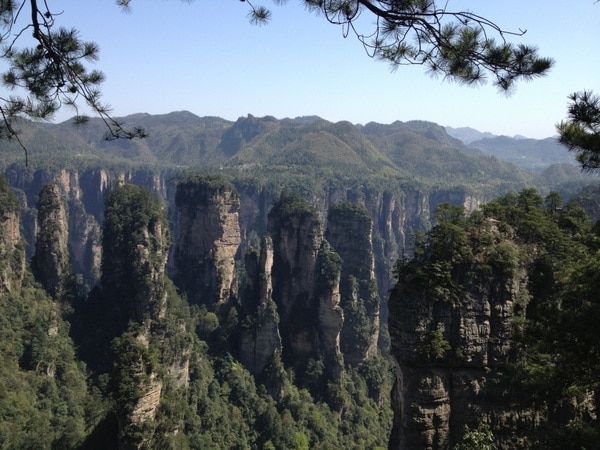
(349, 231)
(451, 325)
(260, 340)
(12, 255)
(208, 239)
(85, 199)
(135, 245)
(50, 263)
(83, 196)
(396, 215)
(297, 233)
(330, 313)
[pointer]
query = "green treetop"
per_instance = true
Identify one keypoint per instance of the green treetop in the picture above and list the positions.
(581, 132)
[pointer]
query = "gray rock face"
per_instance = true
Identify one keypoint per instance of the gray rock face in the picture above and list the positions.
(296, 240)
(330, 313)
(451, 355)
(208, 240)
(12, 258)
(349, 232)
(51, 263)
(261, 342)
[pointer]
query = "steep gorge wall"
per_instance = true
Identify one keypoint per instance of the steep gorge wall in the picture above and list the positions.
(396, 213)
(82, 193)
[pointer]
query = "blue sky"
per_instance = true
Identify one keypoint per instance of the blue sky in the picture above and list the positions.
(205, 57)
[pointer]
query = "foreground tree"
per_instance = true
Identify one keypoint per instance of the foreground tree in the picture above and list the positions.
(459, 45)
(51, 72)
(581, 132)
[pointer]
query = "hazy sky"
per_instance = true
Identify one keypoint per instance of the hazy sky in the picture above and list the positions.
(205, 57)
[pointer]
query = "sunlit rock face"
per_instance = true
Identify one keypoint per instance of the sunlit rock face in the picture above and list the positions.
(208, 239)
(12, 255)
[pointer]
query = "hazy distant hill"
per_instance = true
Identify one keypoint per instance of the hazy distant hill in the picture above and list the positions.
(467, 134)
(534, 155)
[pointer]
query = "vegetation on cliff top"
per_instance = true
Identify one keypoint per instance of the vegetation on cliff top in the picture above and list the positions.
(202, 188)
(8, 201)
(555, 339)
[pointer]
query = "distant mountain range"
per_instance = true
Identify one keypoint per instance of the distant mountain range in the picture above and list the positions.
(469, 135)
(534, 155)
(414, 151)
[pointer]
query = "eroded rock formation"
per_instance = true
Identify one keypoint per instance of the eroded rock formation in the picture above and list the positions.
(452, 347)
(51, 263)
(208, 239)
(12, 255)
(349, 231)
(297, 233)
(260, 340)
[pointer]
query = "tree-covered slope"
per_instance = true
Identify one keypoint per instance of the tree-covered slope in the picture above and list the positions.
(406, 151)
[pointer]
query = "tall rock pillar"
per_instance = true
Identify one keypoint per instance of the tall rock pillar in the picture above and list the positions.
(50, 263)
(349, 232)
(208, 239)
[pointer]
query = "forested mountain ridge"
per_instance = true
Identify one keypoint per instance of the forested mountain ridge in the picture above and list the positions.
(411, 150)
(533, 155)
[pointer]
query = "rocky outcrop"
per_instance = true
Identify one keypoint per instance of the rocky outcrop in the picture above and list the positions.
(349, 232)
(136, 242)
(297, 234)
(208, 239)
(260, 340)
(330, 313)
(50, 263)
(291, 301)
(452, 347)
